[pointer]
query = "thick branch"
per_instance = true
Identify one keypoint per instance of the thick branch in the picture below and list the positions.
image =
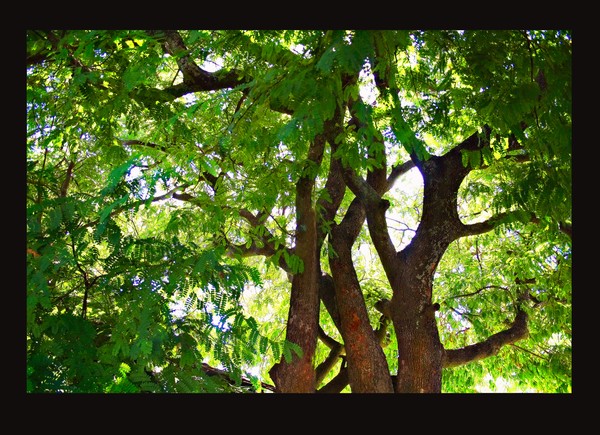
(562, 226)
(367, 367)
(135, 142)
(566, 228)
(369, 192)
(375, 212)
(491, 346)
(440, 223)
(337, 350)
(57, 44)
(397, 171)
(499, 219)
(212, 371)
(484, 226)
(381, 332)
(327, 296)
(68, 176)
(195, 79)
(267, 249)
(37, 58)
(329, 363)
(252, 250)
(337, 384)
(355, 216)
(330, 200)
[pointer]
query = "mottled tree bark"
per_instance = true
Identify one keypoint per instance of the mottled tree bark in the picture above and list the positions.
(420, 352)
(419, 348)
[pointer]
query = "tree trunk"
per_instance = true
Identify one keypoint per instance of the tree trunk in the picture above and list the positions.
(420, 352)
(368, 371)
(298, 375)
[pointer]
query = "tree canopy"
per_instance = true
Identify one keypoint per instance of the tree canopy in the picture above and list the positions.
(298, 211)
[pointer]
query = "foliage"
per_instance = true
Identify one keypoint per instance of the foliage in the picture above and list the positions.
(161, 208)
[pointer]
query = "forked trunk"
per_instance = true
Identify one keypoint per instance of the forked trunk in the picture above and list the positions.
(368, 371)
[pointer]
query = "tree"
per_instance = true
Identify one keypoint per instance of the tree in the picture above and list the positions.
(397, 203)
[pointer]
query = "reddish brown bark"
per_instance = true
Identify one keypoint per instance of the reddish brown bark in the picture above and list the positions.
(298, 376)
(368, 370)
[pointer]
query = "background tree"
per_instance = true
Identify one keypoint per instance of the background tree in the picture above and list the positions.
(298, 211)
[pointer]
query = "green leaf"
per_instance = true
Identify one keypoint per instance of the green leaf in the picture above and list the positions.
(288, 348)
(106, 211)
(209, 166)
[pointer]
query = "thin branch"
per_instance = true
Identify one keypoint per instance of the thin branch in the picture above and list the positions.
(135, 204)
(487, 287)
(131, 142)
(530, 352)
(282, 229)
(478, 256)
(464, 314)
